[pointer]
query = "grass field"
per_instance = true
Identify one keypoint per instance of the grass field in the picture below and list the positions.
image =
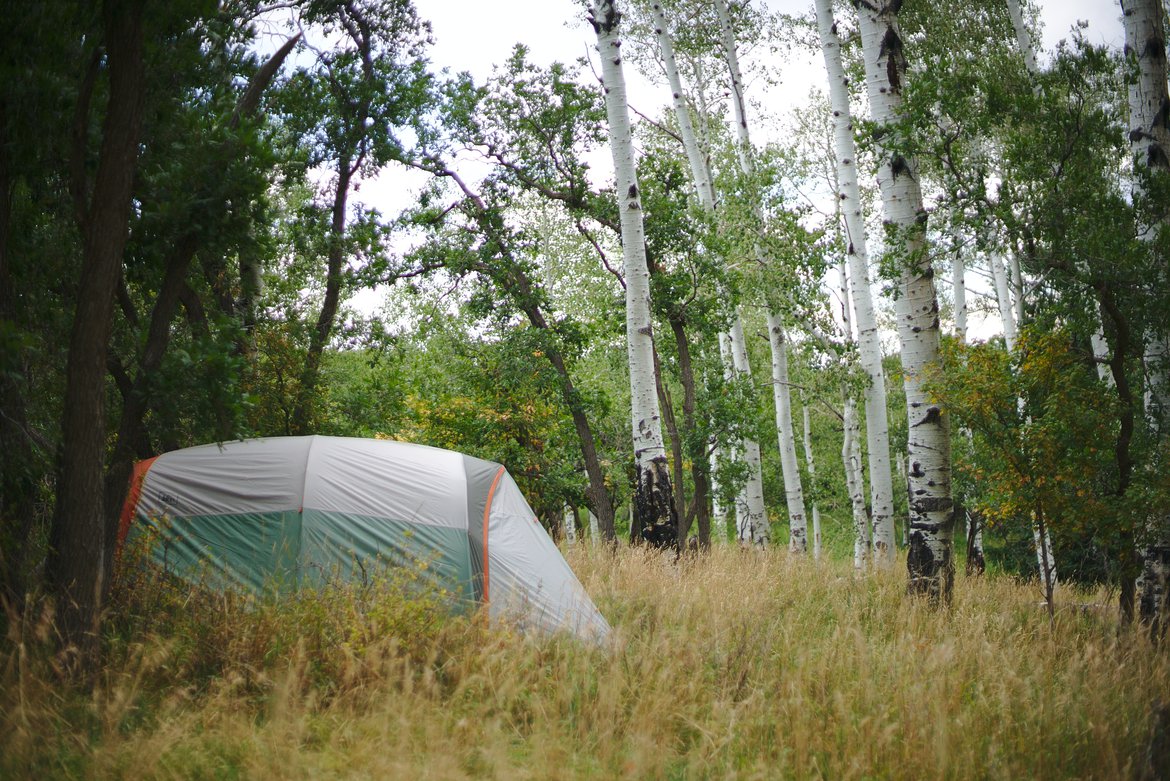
(738, 664)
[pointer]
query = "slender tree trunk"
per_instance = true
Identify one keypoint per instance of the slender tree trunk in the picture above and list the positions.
(857, 257)
(17, 481)
(751, 499)
(812, 475)
(752, 516)
(855, 484)
(654, 516)
(930, 561)
(793, 491)
(851, 444)
(696, 447)
(1149, 109)
(135, 402)
(75, 569)
(303, 415)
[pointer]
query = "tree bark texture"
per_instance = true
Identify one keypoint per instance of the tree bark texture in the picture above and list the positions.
(654, 520)
(75, 569)
(812, 475)
(1149, 138)
(877, 430)
(782, 397)
(930, 561)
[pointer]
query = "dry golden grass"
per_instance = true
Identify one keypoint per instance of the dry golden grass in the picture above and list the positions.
(735, 665)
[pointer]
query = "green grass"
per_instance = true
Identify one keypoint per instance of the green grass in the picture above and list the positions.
(739, 664)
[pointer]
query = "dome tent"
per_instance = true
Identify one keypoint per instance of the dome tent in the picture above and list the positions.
(289, 510)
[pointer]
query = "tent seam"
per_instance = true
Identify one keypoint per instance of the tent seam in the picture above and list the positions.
(487, 510)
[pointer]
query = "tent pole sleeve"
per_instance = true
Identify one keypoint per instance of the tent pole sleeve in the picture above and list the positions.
(487, 511)
(132, 496)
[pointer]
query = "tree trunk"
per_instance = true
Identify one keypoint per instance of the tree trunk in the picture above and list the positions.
(696, 447)
(131, 433)
(17, 480)
(1149, 137)
(303, 415)
(930, 562)
(855, 485)
(857, 256)
(76, 572)
(812, 475)
(751, 513)
(655, 520)
(782, 396)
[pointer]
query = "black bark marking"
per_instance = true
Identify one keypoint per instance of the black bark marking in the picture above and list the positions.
(899, 166)
(1162, 118)
(891, 49)
(916, 470)
(1155, 48)
(933, 417)
(633, 191)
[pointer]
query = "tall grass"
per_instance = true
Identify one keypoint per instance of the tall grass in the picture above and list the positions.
(737, 664)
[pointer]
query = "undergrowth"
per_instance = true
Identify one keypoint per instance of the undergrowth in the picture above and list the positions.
(736, 664)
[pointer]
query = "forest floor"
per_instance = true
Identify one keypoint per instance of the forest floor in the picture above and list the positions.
(738, 664)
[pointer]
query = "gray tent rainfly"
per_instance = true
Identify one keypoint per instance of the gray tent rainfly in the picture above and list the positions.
(294, 510)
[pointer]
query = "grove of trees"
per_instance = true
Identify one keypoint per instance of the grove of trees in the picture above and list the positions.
(188, 252)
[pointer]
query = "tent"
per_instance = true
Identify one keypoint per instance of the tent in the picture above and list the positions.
(290, 511)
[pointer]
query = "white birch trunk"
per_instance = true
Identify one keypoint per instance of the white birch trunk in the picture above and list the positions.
(654, 516)
(854, 484)
(1149, 138)
(812, 475)
(1016, 277)
(1023, 36)
(594, 528)
(930, 561)
(793, 492)
(700, 171)
(857, 256)
(751, 514)
(959, 291)
(751, 498)
(570, 525)
(1004, 300)
(851, 445)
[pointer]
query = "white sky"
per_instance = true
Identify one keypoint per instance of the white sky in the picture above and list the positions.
(472, 35)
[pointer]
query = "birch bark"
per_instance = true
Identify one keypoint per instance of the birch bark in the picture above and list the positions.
(857, 257)
(851, 445)
(793, 491)
(751, 514)
(930, 562)
(1149, 138)
(812, 475)
(654, 518)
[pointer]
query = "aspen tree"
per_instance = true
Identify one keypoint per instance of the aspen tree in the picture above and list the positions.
(653, 515)
(857, 257)
(930, 562)
(1149, 140)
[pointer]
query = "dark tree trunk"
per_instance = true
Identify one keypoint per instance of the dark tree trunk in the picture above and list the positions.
(75, 570)
(16, 471)
(676, 449)
(696, 447)
(306, 395)
(136, 398)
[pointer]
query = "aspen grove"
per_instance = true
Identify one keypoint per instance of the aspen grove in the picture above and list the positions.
(868, 295)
